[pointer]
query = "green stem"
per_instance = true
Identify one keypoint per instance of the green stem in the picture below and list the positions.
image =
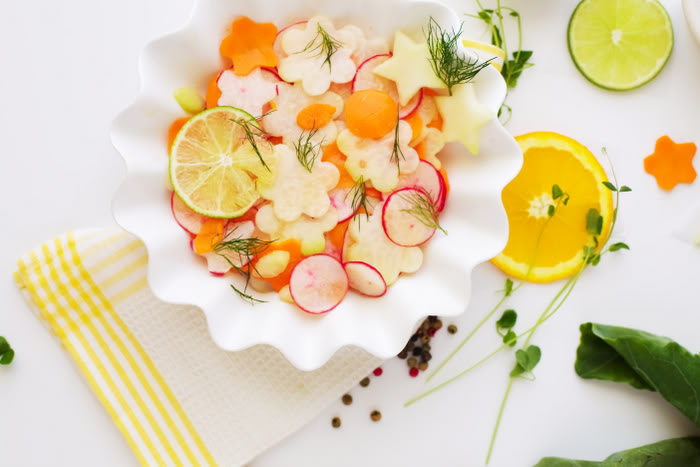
(503, 31)
(498, 419)
(467, 338)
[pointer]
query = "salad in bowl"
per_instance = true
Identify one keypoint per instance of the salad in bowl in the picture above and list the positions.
(337, 176)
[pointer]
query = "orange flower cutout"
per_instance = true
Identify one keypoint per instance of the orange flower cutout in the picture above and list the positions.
(249, 45)
(671, 163)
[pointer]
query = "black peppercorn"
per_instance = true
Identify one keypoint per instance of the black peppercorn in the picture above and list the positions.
(335, 422)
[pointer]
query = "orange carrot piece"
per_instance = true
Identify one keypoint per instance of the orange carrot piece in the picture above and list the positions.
(332, 154)
(420, 149)
(373, 192)
(275, 139)
(249, 45)
(315, 116)
(213, 92)
(337, 235)
(416, 126)
(671, 163)
(211, 233)
(436, 122)
(370, 113)
(293, 247)
(175, 129)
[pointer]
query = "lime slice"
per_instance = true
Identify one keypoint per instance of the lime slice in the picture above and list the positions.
(214, 167)
(620, 44)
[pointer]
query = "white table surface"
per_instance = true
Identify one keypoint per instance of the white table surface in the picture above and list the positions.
(68, 67)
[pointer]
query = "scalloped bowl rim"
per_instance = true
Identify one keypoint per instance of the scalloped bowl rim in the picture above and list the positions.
(474, 212)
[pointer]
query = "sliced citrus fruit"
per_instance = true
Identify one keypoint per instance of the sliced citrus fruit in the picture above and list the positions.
(620, 44)
(214, 167)
(549, 159)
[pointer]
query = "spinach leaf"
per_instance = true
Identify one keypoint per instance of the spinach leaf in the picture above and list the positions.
(670, 453)
(643, 360)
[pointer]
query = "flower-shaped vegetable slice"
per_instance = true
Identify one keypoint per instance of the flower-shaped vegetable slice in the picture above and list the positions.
(307, 230)
(289, 103)
(366, 47)
(375, 159)
(297, 191)
(671, 163)
(318, 55)
(372, 246)
(463, 116)
(430, 144)
(249, 45)
(249, 92)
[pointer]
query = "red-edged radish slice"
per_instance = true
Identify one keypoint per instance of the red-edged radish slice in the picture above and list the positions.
(218, 263)
(443, 198)
(365, 279)
(341, 200)
(277, 45)
(318, 283)
(427, 178)
(190, 221)
(332, 250)
(366, 79)
(347, 241)
(400, 226)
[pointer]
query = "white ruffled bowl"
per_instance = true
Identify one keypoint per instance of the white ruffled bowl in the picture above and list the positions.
(474, 216)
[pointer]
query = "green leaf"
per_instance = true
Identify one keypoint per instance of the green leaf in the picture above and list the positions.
(625, 188)
(550, 210)
(510, 338)
(556, 192)
(527, 360)
(485, 16)
(642, 360)
(595, 260)
(507, 320)
(610, 186)
(594, 222)
(514, 14)
(4, 345)
(669, 453)
(7, 357)
(509, 287)
(619, 246)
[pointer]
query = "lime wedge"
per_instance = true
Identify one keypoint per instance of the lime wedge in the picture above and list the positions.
(214, 167)
(620, 44)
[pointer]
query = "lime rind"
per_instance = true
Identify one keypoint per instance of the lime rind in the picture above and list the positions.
(649, 35)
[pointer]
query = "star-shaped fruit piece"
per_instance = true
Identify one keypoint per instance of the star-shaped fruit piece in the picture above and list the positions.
(671, 163)
(463, 116)
(297, 191)
(410, 68)
(249, 45)
(308, 230)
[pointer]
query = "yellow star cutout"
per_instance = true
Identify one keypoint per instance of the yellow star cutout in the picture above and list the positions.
(463, 116)
(409, 67)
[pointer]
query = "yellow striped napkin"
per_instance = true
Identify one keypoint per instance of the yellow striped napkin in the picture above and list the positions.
(176, 397)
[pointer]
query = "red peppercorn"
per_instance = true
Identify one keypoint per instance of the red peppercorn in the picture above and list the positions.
(431, 332)
(378, 372)
(413, 372)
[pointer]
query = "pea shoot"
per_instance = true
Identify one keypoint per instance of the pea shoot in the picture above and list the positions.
(7, 354)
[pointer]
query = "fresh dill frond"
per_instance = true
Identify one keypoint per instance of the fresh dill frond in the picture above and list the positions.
(447, 62)
(246, 296)
(396, 151)
(307, 151)
(254, 133)
(423, 209)
(359, 199)
(325, 47)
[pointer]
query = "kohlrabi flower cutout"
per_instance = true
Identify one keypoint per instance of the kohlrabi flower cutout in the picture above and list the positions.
(289, 103)
(309, 231)
(296, 190)
(372, 246)
(248, 92)
(376, 160)
(318, 55)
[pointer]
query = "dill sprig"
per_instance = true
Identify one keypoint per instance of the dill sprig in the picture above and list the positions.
(254, 133)
(359, 199)
(246, 296)
(307, 152)
(447, 62)
(326, 46)
(423, 209)
(396, 151)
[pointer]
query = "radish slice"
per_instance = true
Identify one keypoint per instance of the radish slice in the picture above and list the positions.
(341, 200)
(318, 283)
(277, 45)
(218, 263)
(190, 221)
(347, 241)
(427, 178)
(365, 279)
(366, 79)
(443, 198)
(332, 250)
(401, 227)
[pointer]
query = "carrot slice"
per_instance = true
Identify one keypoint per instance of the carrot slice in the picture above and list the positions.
(293, 247)
(436, 122)
(175, 129)
(416, 126)
(337, 235)
(671, 163)
(274, 140)
(420, 149)
(249, 45)
(370, 113)
(373, 192)
(332, 154)
(211, 233)
(315, 116)
(213, 92)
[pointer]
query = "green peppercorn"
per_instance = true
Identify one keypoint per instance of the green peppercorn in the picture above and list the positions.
(425, 339)
(425, 325)
(437, 324)
(411, 362)
(452, 329)
(365, 382)
(335, 422)
(347, 399)
(375, 415)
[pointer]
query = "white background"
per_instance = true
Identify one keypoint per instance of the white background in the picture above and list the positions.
(67, 69)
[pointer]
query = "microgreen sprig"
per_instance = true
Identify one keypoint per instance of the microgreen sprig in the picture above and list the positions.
(7, 354)
(423, 209)
(359, 199)
(396, 151)
(307, 151)
(447, 62)
(254, 133)
(325, 47)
